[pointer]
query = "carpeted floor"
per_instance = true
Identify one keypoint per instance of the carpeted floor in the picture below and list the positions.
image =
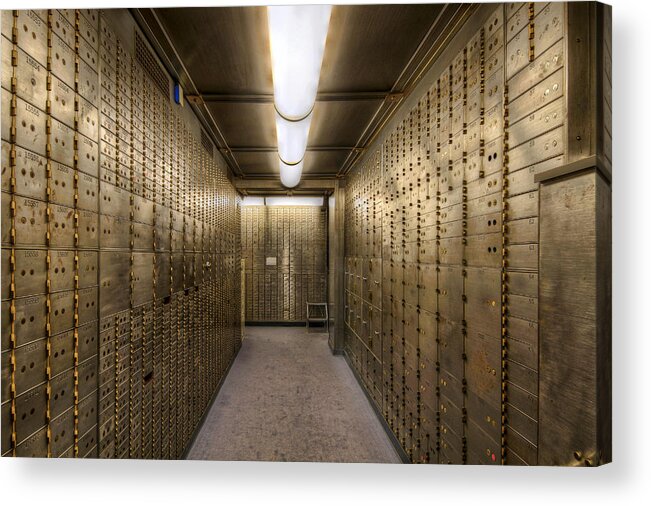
(287, 398)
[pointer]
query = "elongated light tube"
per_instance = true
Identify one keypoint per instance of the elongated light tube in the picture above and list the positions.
(297, 35)
(290, 175)
(292, 138)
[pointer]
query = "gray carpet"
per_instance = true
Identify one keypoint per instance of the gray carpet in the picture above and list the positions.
(287, 398)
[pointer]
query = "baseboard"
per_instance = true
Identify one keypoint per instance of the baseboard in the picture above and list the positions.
(392, 437)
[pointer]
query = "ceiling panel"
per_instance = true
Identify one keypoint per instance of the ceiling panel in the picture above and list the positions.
(323, 162)
(340, 123)
(245, 124)
(259, 163)
(265, 163)
(225, 49)
(369, 45)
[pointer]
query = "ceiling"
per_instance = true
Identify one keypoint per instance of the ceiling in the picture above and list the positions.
(221, 56)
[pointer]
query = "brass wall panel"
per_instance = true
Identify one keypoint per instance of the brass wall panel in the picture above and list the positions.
(113, 201)
(31, 316)
(87, 156)
(62, 102)
(87, 119)
(88, 229)
(88, 375)
(88, 191)
(30, 173)
(31, 272)
(88, 342)
(88, 82)
(63, 60)
(62, 435)
(61, 311)
(543, 66)
(62, 188)
(484, 250)
(550, 21)
(523, 283)
(114, 275)
(5, 126)
(483, 370)
(61, 142)
(115, 232)
(481, 448)
(63, 27)
(31, 77)
(451, 348)
(143, 210)
(34, 446)
(142, 236)
(483, 300)
(30, 366)
(524, 341)
(34, 34)
(484, 224)
(523, 256)
(31, 409)
(523, 230)
(492, 160)
(543, 93)
(62, 393)
(477, 239)
(62, 270)
(6, 274)
(294, 238)
(517, 49)
(62, 226)
(30, 126)
(88, 303)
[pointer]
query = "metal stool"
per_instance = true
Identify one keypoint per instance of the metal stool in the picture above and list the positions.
(320, 316)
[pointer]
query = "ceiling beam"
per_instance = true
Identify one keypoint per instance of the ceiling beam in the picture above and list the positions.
(307, 184)
(273, 149)
(268, 98)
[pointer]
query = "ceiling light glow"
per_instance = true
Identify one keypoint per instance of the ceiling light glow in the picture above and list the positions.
(290, 175)
(297, 37)
(292, 138)
(294, 201)
(253, 201)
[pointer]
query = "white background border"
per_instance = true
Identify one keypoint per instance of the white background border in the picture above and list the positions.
(38, 481)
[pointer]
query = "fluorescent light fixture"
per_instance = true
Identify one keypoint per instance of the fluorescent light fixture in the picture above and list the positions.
(290, 175)
(253, 201)
(292, 138)
(298, 36)
(294, 201)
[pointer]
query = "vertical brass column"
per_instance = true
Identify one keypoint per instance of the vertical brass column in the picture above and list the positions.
(575, 257)
(337, 344)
